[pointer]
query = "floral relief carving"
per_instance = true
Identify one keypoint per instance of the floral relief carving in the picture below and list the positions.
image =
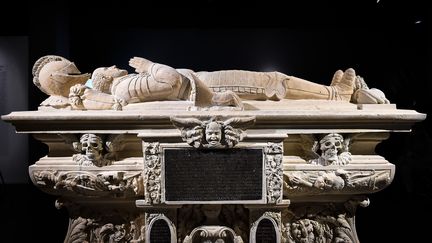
(213, 133)
(274, 172)
(152, 173)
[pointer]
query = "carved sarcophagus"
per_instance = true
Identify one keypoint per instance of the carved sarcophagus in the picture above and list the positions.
(179, 156)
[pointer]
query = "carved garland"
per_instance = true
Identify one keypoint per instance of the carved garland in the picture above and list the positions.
(273, 172)
(152, 173)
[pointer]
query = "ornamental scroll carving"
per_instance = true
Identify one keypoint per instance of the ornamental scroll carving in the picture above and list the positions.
(213, 133)
(190, 217)
(213, 234)
(337, 181)
(92, 184)
(331, 149)
(273, 171)
(152, 173)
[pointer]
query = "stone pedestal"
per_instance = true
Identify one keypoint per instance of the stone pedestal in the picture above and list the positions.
(294, 172)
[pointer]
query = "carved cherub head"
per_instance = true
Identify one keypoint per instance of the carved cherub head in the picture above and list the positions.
(103, 77)
(213, 134)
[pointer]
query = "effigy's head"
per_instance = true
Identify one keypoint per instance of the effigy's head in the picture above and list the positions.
(103, 77)
(213, 133)
(112, 72)
(331, 146)
(54, 75)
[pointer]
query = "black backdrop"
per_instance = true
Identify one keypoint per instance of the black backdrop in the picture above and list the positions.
(387, 43)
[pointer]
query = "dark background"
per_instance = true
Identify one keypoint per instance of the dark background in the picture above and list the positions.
(388, 43)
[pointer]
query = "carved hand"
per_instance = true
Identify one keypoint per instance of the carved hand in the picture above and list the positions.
(140, 64)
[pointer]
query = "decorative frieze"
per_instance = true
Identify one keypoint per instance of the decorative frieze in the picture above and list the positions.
(313, 182)
(90, 183)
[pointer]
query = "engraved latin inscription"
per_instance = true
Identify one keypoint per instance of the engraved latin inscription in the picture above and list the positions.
(213, 175)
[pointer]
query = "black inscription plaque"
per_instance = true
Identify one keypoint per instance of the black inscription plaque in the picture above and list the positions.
(213, 175)
(160, 232)
(266, 232)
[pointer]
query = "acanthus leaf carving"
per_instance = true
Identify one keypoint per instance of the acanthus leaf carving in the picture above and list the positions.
(213, 133)
(274, 172)
(152, 173)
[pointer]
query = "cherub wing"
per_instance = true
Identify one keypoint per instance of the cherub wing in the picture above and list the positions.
(192, 130)
(184, 123)
(240, 122)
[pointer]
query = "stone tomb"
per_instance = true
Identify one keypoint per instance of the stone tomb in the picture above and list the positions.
(255, 157)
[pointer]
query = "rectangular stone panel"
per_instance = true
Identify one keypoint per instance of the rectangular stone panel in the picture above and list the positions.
(213, 175)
